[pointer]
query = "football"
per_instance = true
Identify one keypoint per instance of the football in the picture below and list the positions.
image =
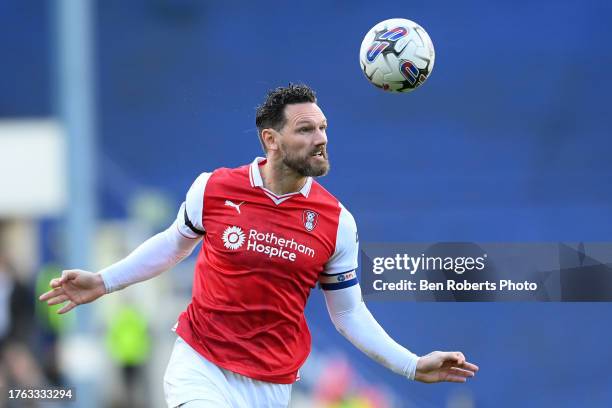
(397, 55)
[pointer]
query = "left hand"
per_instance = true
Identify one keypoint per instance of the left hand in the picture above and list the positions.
(444, 366)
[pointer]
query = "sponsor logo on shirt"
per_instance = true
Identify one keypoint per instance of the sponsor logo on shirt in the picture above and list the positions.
(266, 243)
(235, 206)
(233, 237)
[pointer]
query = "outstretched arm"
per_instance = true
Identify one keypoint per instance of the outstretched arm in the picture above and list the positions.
(354, 321)
(156, 255)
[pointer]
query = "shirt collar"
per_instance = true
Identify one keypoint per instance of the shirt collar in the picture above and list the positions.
(257, 181)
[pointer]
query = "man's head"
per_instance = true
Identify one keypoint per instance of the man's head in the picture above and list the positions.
(292, 130)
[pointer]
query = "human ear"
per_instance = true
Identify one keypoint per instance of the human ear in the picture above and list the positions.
(270, 139)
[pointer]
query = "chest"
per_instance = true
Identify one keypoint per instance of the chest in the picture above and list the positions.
(249, 232)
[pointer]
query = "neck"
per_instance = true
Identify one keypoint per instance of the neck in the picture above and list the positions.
(280, 179)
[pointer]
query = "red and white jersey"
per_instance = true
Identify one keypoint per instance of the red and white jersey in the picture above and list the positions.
(261, 255)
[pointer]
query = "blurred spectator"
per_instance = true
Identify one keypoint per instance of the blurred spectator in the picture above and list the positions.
(128, 343)
(18, 367)
(339, 386)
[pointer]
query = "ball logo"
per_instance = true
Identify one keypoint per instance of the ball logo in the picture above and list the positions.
(409, 71)
(375, 49)
(233, 237)
(394, 34)
(310, 219)
(388, 36)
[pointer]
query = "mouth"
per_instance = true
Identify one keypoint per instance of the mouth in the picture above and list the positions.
(320, 153)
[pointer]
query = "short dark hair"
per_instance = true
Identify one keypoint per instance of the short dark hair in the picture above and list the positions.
(271, 114)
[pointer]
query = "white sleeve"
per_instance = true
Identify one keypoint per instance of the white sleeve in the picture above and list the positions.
(344, 258)
(164, 250)
(154, 256)
(189, 217)
(354, 321)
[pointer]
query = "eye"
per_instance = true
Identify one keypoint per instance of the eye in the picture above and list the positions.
(303, 130)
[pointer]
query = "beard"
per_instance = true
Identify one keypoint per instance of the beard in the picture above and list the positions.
(305, 164)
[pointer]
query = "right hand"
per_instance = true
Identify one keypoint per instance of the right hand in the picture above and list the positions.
(75, 286)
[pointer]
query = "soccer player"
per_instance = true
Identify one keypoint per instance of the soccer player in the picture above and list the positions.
(269, 234)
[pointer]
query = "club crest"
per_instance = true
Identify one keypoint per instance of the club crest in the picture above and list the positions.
(310, 219)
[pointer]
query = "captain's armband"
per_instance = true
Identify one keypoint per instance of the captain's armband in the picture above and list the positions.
(338, 280)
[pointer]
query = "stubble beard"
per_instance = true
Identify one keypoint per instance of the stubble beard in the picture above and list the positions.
(301, 164)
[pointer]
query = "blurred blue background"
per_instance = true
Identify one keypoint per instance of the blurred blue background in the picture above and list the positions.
(508, 140)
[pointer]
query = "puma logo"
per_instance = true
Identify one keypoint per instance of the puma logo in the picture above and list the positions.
(236, 206)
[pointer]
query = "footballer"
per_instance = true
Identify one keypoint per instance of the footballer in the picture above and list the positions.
(269, 233)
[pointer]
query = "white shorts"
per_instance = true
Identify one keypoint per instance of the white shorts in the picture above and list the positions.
(191, 377)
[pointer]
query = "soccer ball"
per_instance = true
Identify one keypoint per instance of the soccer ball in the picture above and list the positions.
(397, 55)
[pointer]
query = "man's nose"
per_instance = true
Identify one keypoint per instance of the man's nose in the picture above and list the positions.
(320, 137)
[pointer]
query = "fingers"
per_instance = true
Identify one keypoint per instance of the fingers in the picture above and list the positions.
(446, 366)
(67, 275)
(57, 300)
(470, 366)
(460, 361)
(71, 305)
(455, 379)
(460, 372)
(56, 283)
(50, 294)
(54, 297)
(456, 375)
(449, 358)
(57, 295)
(455, 356)
(459, 369)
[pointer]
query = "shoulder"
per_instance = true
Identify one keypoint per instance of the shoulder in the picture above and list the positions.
(229, 174)
(220, 175)
(319, 192)
(346, 220)
(202, 178)
(198, 186)
(346, 250)
(191, 212)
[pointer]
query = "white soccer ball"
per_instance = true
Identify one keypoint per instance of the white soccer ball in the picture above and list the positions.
(397, 55)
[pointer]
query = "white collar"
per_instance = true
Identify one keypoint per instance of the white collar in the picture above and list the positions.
(257, 181)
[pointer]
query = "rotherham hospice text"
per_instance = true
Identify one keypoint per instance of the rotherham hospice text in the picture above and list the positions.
(412, 264)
